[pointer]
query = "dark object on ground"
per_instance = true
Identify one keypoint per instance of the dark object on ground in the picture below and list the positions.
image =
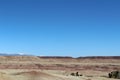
(72, 74)
(114, 74)
(76, 74)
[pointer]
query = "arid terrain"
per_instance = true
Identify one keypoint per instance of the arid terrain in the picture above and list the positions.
(57, 68)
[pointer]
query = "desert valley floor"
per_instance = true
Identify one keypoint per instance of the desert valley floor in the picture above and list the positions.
(57, 68)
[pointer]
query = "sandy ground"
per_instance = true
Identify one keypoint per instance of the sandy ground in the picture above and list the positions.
(34, 68)
(20, 74)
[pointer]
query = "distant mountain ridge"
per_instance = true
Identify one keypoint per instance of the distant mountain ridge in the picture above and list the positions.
(99, 57)
(86, 57)
(63, 57)
(16, 54)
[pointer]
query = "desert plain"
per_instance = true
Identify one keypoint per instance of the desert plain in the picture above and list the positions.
(57, 68)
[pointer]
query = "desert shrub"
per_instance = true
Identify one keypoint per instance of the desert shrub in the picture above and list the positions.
(114, 74)
(77, 74)
(80, 75)
(72, 74)
(109, 75)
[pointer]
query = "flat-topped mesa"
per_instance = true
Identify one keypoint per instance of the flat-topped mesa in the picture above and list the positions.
(99, 57)
(55, 57)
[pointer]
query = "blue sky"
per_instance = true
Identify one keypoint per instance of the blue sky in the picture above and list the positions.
(60, 27)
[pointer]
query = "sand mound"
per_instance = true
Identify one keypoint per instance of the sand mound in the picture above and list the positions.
(4, 76)
(35, 75)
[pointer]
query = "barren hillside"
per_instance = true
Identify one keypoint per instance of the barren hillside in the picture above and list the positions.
(57, 68)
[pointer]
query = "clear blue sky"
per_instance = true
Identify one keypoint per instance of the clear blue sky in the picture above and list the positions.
(60, 27)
